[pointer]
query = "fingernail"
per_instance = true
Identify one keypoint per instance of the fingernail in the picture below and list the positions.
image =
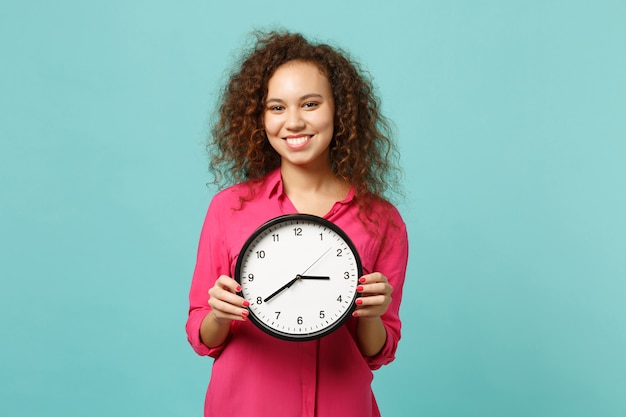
(355, 314)
(245, 313)
(359, 288)
(362, 280)
(246, 303)
(238, 288)
(359, 301)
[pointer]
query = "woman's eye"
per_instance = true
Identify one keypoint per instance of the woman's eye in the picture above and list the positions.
(276, 108)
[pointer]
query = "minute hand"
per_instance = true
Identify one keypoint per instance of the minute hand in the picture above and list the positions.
(284, 287)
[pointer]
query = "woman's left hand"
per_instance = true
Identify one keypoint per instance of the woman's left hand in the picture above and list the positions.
(375, 295)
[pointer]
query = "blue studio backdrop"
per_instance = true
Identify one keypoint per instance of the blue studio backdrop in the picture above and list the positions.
(511, 120)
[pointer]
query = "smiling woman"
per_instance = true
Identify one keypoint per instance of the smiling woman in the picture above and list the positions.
(299, 132)
(299, 114)
(361, 151)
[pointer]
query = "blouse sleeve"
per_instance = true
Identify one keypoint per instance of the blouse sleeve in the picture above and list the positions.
(392, 262)
(212, 261)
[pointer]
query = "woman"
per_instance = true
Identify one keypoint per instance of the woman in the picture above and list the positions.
(299, 131)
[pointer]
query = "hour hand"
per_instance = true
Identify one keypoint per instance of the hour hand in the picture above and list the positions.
(312, 277)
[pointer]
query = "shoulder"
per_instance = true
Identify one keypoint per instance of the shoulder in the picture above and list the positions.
(233, 197)
(230, 194)
(384, 214)
(226, 199)
(379, 232)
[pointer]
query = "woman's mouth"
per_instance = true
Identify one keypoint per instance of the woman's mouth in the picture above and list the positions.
(297, 141)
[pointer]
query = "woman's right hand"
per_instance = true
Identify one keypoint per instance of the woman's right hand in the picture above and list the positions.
(225, 304)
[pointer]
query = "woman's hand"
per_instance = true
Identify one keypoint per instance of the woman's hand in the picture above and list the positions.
(225, 304)
(375, 295)
(373, 302)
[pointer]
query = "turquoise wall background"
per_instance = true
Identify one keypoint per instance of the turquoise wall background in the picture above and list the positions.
(511, 121)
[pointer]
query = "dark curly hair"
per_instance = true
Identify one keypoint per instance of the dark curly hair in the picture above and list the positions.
(362, 151)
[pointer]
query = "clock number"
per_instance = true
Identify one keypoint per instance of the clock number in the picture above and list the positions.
(346, 275)
(259, 300)
(322, 314)
(297, 231)
(339, 299)
(250, 277)
(275, 237)
(260, 254)
(339, 253)
(300, 321)
(321, 236)
(277, 314)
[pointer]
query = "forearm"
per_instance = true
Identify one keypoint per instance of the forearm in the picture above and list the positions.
(213, 331)
(371, 335)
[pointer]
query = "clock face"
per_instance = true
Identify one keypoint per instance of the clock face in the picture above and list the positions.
(299, 272)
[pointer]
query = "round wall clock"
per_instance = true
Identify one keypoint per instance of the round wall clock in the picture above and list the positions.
(300, 273)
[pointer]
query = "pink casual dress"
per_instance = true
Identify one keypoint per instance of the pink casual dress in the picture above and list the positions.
(255, 374)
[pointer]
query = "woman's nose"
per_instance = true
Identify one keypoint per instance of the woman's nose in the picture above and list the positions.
(294, 120)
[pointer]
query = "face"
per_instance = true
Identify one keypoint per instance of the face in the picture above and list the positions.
(299, 115)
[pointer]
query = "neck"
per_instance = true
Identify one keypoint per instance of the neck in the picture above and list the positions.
(299, 179)
(313, 191)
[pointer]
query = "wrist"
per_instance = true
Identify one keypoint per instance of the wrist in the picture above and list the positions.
(220, 321)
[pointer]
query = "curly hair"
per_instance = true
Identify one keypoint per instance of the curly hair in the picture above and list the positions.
(362, 151)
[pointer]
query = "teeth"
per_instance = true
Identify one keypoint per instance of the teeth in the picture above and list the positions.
(298, 141)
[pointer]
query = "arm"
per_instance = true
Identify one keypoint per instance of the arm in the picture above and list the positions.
(378, 325)
(207, 329)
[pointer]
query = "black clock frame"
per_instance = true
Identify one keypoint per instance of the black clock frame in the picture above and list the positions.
(304, 218)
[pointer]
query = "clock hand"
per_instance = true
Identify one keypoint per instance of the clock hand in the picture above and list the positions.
(299, 276)
(290, 283)
(316, 261)
(284, 287)
(312, 277)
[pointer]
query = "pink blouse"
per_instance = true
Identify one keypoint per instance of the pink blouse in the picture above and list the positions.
(255, 374)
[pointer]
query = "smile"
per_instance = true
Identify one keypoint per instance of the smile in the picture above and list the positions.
(297, 140)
